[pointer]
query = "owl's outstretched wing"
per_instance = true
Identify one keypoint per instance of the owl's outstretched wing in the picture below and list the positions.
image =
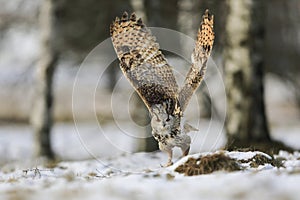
(143, 63)
(201, 53)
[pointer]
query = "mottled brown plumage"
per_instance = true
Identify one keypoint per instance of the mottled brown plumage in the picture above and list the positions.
(201, 53)
(147, 70)
(142, 62)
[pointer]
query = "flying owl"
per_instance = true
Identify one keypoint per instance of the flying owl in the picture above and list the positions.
(152, 77)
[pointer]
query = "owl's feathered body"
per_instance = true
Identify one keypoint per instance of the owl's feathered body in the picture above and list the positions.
(146, 68)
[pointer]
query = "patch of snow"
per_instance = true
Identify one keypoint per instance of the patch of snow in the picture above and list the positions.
(291, 161)
(138, 176)
(245, 155)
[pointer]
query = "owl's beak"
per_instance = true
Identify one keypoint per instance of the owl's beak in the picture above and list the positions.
(157, 118)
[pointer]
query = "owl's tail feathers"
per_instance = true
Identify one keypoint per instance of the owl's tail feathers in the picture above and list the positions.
(201, 53)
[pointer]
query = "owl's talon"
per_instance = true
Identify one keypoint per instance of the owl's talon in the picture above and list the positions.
(167, 165)
(186, 151)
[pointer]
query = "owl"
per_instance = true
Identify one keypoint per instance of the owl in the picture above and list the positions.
(152, 77)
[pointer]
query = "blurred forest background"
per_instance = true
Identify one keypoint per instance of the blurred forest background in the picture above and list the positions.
(74, 28)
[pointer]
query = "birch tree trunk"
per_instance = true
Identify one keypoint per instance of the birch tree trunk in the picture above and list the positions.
(244, 69)
(41, 117)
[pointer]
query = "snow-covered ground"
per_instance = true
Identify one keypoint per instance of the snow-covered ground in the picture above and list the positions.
(112, 170)
(139, 176)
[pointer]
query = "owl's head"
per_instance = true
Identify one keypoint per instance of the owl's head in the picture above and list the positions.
(164, 123)
(167, 124)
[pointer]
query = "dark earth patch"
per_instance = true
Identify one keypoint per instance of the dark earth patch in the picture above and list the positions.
(219, 161)
(208, 164)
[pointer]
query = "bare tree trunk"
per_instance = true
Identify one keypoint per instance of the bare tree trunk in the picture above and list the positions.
(163, 14)
(246, 124)
(258, 123)
(246, 119)
(41, 118)
(114, 8)
(147, 143)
